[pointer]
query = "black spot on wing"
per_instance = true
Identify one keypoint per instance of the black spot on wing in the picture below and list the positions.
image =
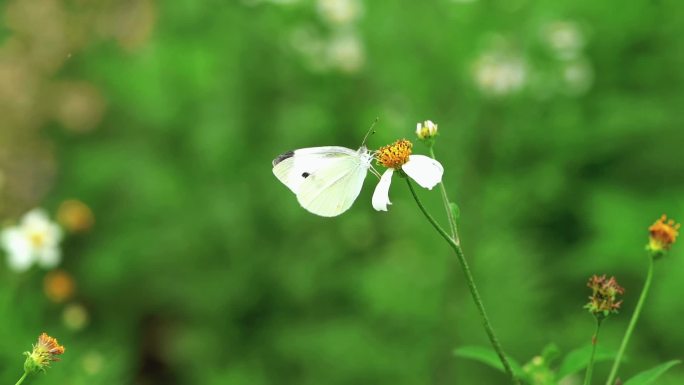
(305, 174)
(282, 157)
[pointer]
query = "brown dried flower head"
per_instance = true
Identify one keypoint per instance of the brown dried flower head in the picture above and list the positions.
(604, 291)
(662, 234)
(44, 352)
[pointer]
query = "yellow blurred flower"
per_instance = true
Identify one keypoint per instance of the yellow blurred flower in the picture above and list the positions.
(75, 216)
(58, 286)
(75, 316)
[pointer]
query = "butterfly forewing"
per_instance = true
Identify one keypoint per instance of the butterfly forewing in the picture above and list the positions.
(293, 167)
(326, 180)
(332, 190)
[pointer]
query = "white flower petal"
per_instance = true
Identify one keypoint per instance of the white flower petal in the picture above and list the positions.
(53, 235)
(20, 261)
(49, 257)
(35, 217)
(426, 171)
(381, 194)
(19, 257)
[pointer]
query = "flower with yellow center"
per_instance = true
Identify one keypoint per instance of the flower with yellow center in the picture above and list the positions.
(427, 172)
(426, 130)
(44, 352)
(35, 239)
(662, 234)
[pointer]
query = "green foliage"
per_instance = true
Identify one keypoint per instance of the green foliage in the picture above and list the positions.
(649, 376)
(201, 268)
(542, 369)
(488, 357)
(578, 359)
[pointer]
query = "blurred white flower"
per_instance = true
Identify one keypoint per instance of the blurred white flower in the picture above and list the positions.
(310, 45)
(500, 73)
(345, 52)
(339, 12)
(564, 38)
(577, 77)
(35, 239)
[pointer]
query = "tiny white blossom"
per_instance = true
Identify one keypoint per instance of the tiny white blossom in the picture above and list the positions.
(345, 52)
(577, 76)
(427, 129)
(34, 240)
(565, 39)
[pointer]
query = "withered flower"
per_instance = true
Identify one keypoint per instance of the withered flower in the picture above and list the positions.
(44, 352)
(603, 300)
(662, 234)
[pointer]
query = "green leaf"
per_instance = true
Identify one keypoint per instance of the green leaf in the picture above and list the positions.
(550, 353)
(578, 359)
(649, 376)
(487, 357)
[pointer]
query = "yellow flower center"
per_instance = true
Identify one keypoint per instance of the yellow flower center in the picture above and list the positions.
(663, 233)
(37, 238)
(394, 155)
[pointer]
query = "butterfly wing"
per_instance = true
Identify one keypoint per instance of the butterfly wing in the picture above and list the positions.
(326, 180)
(293, 167)
(333, 189)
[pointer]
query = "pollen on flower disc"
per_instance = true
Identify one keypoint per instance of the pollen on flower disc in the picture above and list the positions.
(394, 155)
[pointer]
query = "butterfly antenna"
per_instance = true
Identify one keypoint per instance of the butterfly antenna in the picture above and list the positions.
(370, 131)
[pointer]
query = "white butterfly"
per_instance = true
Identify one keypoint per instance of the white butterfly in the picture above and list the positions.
(326, 180)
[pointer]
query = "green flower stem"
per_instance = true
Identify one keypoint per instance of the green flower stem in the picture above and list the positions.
(594, 342)
(471, 285)
(632, 323)
(22, 378)
(447, 204)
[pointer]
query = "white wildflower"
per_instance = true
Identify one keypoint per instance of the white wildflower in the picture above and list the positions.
(564, 38)
(426, 171)
(499, 74)
(339, 12)
(35, 240)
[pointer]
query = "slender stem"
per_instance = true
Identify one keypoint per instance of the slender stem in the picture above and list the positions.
(632, 324)
(447, 204)
(22, 378)
(471, 285)
(594, 342)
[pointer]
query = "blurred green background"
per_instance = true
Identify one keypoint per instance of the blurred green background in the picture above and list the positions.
(561, 135)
